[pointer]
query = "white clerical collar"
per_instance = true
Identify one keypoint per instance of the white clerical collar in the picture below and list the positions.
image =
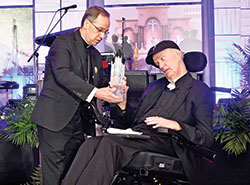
(172, 85)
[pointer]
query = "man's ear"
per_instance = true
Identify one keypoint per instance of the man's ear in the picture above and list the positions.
(86, 24)
(178, 54)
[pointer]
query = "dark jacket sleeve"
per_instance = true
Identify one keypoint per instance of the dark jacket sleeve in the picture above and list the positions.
(62, 58)
(199, 130)
(122, 120)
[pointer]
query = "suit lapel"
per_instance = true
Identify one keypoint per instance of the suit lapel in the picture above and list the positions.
(94, 67)
(81, 50)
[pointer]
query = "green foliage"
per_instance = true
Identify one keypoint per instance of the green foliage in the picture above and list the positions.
(36, 177)
(243, 62)
(232, 123)
(20, 130)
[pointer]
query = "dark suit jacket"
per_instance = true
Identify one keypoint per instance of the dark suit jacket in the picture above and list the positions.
(64, 86)
(192, 109)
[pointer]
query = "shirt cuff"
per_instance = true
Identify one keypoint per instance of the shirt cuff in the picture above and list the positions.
(91, 95)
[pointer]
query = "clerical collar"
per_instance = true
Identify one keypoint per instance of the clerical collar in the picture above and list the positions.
(171, 86)
(177, 78)
(86, 45)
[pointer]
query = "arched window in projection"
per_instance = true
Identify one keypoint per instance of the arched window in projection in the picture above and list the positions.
(152, 32)
(146, 25)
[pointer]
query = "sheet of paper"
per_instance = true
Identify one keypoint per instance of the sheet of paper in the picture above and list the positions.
(123, 131)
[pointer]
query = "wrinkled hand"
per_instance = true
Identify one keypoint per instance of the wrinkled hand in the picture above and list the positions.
(107, 94)
(158, 122)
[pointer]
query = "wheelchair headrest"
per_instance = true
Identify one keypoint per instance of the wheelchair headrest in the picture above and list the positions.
(195, 61)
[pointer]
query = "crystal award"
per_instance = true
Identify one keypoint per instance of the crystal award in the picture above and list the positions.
(117, 73)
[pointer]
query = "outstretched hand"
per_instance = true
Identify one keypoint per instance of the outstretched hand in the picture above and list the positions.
(107, 94)
(113, 94)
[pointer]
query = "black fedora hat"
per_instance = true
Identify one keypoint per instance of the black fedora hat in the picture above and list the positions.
(159, 47)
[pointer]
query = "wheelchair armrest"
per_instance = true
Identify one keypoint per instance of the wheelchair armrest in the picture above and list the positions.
(98, 117)
(162, 130)
(201, 150)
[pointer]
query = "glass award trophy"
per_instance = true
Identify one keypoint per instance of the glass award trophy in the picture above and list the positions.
(117, 73)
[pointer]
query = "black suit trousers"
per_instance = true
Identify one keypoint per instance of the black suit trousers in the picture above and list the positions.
(99, 158)
(58, 150)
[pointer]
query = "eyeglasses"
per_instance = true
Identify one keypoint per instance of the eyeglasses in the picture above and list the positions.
(99, 29)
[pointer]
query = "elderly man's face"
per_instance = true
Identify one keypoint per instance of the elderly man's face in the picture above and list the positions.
(95, 30)
(170, 62)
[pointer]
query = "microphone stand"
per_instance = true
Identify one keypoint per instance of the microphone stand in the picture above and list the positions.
(123, 24)
(35, 53)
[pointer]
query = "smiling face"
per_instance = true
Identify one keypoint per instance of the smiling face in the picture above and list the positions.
(170, 62)
(94, 31)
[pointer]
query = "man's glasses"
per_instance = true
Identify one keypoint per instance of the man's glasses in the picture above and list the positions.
(99, 29)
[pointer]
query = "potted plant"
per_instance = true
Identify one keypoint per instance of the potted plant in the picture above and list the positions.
(232, 120)
(232, 123)
(21, 131)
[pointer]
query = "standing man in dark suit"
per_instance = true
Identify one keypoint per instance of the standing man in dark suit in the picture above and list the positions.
(177, 102)
(128, 53)
(73, 74)
(115, 43)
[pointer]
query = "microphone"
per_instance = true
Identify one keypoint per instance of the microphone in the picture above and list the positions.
(123, 19)
(67, 7)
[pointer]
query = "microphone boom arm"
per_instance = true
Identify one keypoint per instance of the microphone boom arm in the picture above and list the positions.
(123, 24)
(35, 52)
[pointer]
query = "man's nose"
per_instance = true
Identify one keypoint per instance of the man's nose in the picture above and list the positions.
(161, 64)
(102, 35)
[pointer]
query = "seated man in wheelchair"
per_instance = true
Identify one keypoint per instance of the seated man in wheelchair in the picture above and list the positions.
(176, 102)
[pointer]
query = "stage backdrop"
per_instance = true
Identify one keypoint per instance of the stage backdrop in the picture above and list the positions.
(145, 26)
(16, 45)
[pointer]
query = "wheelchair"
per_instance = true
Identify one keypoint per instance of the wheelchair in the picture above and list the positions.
(149, 168)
